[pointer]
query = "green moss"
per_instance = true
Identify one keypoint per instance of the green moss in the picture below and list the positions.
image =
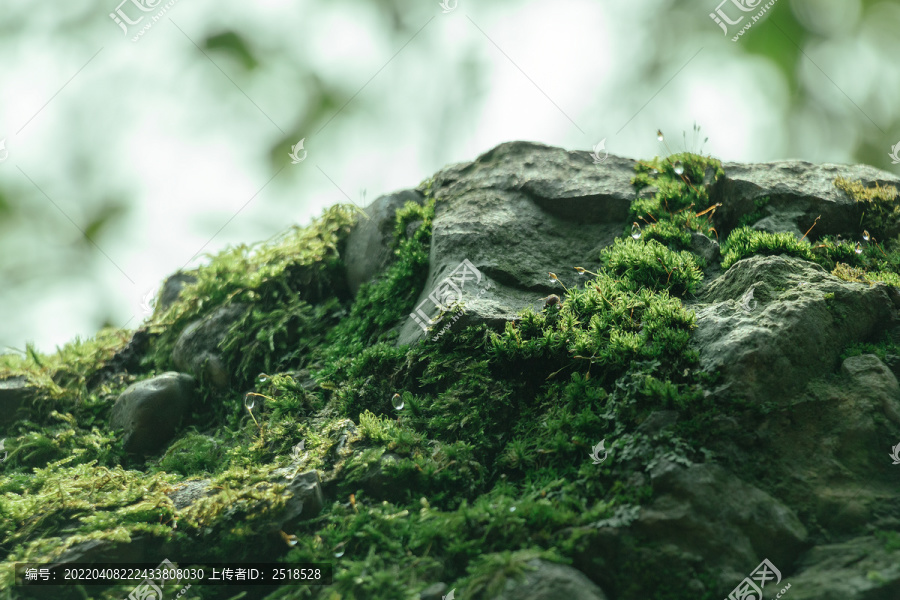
(744, 242)
(668, 234)
(652, 265)
(193, 453)
(881, 209)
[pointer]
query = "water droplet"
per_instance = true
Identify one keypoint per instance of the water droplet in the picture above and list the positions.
(858, 248)
(292, 541)
(512, 509)
(866, 235)
(678, 168)
(397, 401)
(635, 231)
(654, 172)
(262, 378)
(339, 554)
(659, 135)
(249, 402)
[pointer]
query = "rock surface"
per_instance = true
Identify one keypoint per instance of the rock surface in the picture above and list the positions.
(798, 192)
(368, 248)
(14, 394)
(550, 581)
(150, 411)
(798, 320)
(517, 213)
(198, 349)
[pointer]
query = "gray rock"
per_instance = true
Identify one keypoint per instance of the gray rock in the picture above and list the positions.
(198, 349)
(874, 379)
(798, 192)
(188, 492)
(704, 247)
(305, 499)
(784, 221)
(435, 591)
(171, 289)
(799, 320)
(858, 569)
(368, 249)
(707, 511)
(150, 411)
(551, 581)
(517, 213)
(14, 395)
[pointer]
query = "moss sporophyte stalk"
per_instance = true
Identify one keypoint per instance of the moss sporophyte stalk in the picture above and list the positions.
(491, 465)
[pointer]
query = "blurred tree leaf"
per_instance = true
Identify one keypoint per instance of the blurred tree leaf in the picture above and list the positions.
(232, 44)
(105, 216)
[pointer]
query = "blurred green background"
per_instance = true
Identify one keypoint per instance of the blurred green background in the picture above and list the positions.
(128, 160)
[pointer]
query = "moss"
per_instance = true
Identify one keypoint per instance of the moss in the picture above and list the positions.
(668, 234)
(652, 265)
(880, 206)
(744, 242)
(491, 421)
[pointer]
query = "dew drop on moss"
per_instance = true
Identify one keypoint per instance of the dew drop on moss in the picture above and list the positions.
(866, 235)
(262, 378)
(339, 554)
(397, 401)
(678, 168)
(249, 402)
(858, 248)
(659, 135)
(636, 231)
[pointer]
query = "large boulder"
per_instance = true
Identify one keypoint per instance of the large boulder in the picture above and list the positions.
(703, 524)
(863, 568)
(798, 321)
(150, 411)
(797, 192)
(515, 214)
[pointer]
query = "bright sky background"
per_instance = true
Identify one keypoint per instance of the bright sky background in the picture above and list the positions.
(92, 119)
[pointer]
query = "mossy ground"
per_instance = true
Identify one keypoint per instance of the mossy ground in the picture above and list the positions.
(493, 442)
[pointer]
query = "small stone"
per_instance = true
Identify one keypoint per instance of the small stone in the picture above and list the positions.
(150, 411)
